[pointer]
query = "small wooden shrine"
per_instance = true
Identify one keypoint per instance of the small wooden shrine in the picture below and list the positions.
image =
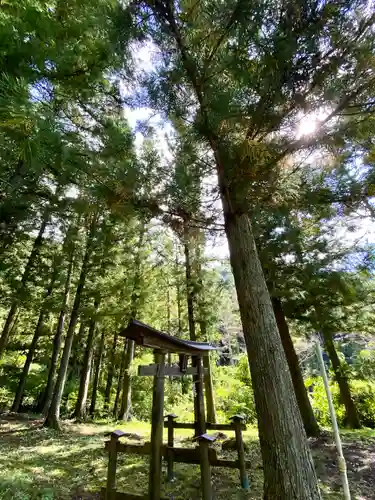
(163, 344)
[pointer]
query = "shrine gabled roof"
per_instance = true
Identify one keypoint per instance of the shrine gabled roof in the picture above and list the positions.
(147, 336)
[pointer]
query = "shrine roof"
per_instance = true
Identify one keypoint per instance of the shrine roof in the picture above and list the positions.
(147, 336)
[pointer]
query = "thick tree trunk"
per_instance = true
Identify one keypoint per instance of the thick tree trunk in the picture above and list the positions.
(95, 383)
(53, 416)
(111, 372)
(307, 414)
(80, 409)
(351, 415)
(45, 401)
(289, 472)
(25, 278)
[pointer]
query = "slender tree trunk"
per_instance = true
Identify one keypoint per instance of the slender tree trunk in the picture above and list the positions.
(207, 374)
(209, 391)
(111, 372)
(169, 323)
(25, 278)
(75, 360)
(53, 416)
(208, 384)
(95, 384)
(120, 380)
(45, 401)
(199, 411)
(351, 415)
(307, 414)
(124, 413)
(189, 285)
(38, 331)
(80, 409)
(178, 296)
(179, 308)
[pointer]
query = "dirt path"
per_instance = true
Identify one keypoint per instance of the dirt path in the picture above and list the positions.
(359, 452)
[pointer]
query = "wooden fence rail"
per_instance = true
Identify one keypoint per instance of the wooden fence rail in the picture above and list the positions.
(179, 455)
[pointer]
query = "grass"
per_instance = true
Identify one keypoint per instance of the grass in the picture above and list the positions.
(37, 463)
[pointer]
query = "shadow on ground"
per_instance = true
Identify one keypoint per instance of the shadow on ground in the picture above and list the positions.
(38, 463)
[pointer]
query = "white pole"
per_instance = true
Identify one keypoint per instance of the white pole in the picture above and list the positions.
(340, 456)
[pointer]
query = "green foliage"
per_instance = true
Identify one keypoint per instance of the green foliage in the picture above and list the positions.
(363, 394)
(364, 365)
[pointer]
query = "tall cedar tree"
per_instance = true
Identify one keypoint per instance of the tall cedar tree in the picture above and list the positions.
(260, 66)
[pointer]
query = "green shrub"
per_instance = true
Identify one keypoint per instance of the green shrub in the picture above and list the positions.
(363, 394)
(233, 391)
(364, 365)
(319, 401)
(364, 398)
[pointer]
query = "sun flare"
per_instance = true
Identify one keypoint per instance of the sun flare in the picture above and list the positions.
(307, 125)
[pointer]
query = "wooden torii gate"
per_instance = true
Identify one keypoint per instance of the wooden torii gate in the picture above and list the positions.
(163, 344)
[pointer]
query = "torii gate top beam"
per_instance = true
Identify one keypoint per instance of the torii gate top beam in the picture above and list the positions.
(147, 336)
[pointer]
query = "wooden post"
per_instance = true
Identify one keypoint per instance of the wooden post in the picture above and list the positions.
(171, 418)
(204, 442)
(157, 425)
(237, 424)
(200, 419)
(112, 465)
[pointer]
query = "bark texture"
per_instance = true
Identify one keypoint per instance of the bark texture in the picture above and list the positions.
(289, 472)
(304, 405)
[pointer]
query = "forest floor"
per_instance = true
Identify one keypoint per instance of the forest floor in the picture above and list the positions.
(38, 463)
